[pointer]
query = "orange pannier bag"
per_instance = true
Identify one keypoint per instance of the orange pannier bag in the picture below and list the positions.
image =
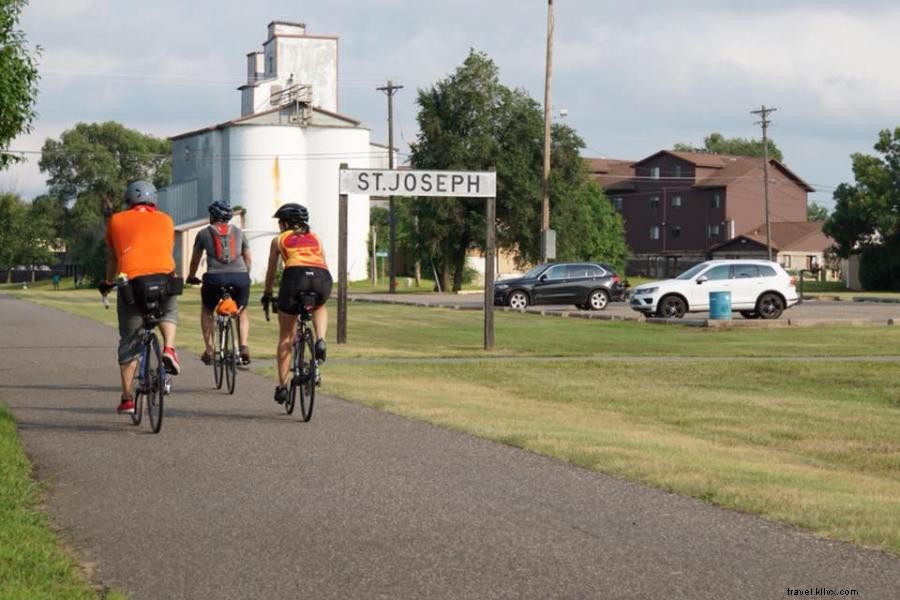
(227, 307)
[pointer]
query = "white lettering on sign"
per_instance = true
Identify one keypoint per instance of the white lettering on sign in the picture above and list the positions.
(386, 182)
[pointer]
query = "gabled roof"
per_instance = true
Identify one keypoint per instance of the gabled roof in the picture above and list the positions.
(248, 120)
(700, 159)
(612, 174)
(794, 235)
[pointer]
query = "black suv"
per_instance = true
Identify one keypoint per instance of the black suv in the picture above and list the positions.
(586, 285)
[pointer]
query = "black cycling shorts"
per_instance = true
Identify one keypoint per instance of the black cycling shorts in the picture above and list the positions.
(295, 280)
(213, 283)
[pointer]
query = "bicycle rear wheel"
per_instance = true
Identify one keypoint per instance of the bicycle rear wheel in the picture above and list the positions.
(296, 358)
(137, 392)
(309, 368)
(155, 379)
(219, 354)
(229, 356)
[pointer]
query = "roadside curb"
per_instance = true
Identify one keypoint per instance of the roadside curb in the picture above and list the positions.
(573, 314)
(769, 324)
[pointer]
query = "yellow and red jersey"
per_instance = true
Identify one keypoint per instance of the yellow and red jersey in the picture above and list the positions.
(301, 249)
(142, 239)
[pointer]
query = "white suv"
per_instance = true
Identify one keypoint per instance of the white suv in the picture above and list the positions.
(759, 289)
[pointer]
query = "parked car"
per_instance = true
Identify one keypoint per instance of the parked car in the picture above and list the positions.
(759, 289)
(589, 286)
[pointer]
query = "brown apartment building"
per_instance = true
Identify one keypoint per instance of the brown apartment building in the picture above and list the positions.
(678, 205)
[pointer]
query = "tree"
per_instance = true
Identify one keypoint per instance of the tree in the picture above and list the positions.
(18, 79)
(26, 237)
(716, 143)
(866, 217)
(470, 121)
(816, 212)
(92, 164)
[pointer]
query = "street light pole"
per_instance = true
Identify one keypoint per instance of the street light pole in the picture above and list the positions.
(545, 177)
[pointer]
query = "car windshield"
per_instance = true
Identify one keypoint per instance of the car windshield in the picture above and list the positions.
(690, 273)
(533, 273)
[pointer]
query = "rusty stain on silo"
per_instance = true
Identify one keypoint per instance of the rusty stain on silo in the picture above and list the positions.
(276, 183)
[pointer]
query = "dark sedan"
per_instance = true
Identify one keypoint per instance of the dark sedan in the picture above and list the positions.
(586, 285)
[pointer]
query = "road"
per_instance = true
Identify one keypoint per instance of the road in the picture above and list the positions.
(235, 500)
(804, 313)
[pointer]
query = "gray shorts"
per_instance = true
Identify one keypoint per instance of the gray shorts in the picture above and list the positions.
(131, 321)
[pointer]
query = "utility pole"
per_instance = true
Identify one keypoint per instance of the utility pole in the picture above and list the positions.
(390, 89)
(546, 251)
(763, 112)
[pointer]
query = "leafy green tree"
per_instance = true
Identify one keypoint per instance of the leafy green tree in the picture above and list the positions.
(716, 143)
(27, 237)
(92, 164)
(18, 79)
(470, 121)
(866, 217)
(816, 212)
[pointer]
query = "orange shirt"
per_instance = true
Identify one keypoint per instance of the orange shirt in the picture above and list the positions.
(301, 249)
(142, 240)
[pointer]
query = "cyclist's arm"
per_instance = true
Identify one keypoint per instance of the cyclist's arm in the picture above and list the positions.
(111, 264)
(248, 259)
(195, 261)
(274, 255)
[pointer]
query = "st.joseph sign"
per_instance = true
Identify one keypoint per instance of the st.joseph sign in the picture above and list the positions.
(452, 184)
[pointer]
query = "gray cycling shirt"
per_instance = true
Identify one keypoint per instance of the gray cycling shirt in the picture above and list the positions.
(205, 241)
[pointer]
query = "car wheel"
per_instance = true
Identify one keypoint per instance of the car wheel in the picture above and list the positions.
(581, 306)
(598, 300)
(671, 307)
(518, 300)
(749, 314)
(770, 306)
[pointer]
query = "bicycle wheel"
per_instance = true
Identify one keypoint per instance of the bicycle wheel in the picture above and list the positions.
(308, 377)
(155, 380)
(229, 356)
(137, 392)
(218, 354)
(296, 358)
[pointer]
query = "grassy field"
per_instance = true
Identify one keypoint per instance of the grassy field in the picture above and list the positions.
(800, 425)
(32, 563)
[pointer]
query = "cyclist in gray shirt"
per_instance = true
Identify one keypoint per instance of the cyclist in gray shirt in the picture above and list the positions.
(228, 263)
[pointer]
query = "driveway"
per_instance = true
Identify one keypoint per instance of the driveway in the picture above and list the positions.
(235, 500)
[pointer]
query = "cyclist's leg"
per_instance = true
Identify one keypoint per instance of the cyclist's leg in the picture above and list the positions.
(130, 323)
(241, 283)
(168, 325)
(207, 325)
(286, 324)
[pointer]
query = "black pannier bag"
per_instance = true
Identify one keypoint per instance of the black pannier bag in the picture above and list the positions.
(149, 290)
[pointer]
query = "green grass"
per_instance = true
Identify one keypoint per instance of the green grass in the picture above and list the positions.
(33, 564)
(766, 421)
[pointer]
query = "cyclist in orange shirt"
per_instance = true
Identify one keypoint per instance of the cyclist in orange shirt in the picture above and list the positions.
(140, 241)
(305, 270)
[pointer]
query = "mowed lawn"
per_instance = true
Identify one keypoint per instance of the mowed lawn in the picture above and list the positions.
(800, 425)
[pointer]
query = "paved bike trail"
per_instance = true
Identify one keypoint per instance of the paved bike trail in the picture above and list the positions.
(235, 500)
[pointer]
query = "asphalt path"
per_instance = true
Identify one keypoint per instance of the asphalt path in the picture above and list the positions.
(234, 499)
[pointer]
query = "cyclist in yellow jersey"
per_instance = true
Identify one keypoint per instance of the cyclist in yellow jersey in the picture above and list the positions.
(305, 270)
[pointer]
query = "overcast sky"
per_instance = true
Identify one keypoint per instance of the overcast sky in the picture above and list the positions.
(635, 77)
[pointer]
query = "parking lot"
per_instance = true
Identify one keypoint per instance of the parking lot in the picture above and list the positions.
(807, 312)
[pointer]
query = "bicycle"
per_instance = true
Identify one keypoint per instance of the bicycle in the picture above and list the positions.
(225, 358)
(305, 376)
(150, 378)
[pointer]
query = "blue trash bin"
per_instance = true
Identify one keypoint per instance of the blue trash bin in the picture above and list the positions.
(720, 305)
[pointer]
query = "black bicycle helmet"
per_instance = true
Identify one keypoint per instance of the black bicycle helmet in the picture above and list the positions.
(220, 211)
(140, 192)
(292, 214)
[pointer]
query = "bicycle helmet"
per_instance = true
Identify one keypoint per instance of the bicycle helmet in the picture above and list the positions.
(140, 192)
(220, 211)
(292, 214)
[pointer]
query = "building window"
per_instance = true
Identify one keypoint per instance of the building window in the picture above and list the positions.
(677, 170)
(676, 232)
(713, 232)
(654, 172)
(617, 202)
(654, 201)
(676, 201)
(654, 232)
(715, 201)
